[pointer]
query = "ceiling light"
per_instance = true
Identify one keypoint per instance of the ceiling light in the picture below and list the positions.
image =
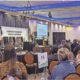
(49, 15)
(28, 11)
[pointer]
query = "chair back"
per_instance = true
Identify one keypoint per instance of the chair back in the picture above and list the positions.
(52, 65)
(72, 76)
(78, 69)
(29, 58)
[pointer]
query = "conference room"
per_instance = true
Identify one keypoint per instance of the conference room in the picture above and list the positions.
(39, 40)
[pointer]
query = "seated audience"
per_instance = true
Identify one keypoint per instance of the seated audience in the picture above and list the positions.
(64, 66)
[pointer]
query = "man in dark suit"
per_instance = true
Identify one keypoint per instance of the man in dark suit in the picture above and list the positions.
(74, 44)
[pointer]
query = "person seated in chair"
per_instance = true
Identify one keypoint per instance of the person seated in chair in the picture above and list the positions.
(16, 69)
(64, 67)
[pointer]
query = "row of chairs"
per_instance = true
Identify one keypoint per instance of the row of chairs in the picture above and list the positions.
(29, 59)
(30, 62)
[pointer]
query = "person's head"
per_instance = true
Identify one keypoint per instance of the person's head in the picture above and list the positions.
(79, 42)
(41, 50)
(54, 49)
(75, 41)
(77, 54)
(69, 40)
(66, 46)
(9, 52)
(63, 42)
(63, 53)
(76, 50)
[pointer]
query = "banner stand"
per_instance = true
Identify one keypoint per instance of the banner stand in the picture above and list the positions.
(43, 63)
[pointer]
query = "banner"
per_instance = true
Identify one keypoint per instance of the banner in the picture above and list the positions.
(14, 32)
(42, 60)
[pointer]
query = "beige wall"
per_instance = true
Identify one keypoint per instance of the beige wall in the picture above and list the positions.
(55, 28)
(71, 32)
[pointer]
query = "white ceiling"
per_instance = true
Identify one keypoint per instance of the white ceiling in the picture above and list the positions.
(25, 2)
(56, 12)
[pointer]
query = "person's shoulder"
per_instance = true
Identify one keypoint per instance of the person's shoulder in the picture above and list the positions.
(59, 65)
(62, 63)
(19, 63)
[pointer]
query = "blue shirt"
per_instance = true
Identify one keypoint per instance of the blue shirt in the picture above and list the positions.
(61, 70)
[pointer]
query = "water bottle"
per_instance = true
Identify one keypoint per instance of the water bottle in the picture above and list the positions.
(10, 77)
(42, 76)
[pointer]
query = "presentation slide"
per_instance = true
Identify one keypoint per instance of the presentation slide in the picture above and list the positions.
(42, 31)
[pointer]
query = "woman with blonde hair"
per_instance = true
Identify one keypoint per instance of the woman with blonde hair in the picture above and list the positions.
(64, 66)
(15, 68)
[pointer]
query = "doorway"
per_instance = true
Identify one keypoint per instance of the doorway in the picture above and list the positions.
(58, 37)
